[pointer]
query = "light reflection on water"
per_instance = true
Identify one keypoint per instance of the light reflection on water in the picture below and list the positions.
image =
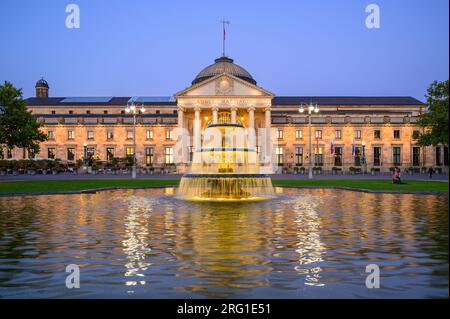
(147, 244)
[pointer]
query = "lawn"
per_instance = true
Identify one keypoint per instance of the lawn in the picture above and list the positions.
(86, 184)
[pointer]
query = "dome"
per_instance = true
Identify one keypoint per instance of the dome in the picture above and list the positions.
(223, 65)
(42, 83)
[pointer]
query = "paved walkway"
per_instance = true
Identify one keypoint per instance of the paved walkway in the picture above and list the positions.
(65, 176)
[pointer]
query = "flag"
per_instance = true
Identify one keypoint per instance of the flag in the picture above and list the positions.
(331, 146)
(224, 33)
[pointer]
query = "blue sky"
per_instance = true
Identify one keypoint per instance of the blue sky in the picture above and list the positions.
(156, 48)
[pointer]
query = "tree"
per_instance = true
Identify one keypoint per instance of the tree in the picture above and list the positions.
(435, 121)
(18, 127)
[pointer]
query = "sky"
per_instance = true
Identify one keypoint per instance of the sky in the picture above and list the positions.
(156, 48)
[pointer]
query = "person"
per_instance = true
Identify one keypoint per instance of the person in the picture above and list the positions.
(396, 177)
(431, 171)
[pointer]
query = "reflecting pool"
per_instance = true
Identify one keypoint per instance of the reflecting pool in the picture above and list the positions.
(147, 244)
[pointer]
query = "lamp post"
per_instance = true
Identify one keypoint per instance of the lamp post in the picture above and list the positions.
(84, 153)
(363, 159)
(311, 108)
(132, 108)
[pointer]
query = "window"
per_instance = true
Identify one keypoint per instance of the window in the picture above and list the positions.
(298, 134)
(53, 112)
(169, 135)
(318, 134)
(88, 112)
(415, 134)
(157, 112)
(109, 134)
(70, 135)
(149, 155)
(105, 112)
(129, 134)
(191, 153)
(298, 155)
(377, 156)
(168, 152)
(279, 151)
(122, 112)
(51, 135)
(70, 154)
(358, 134)
(338, 134)
(110, 153)
(279, 134)
(129, 151)
(438, 156)
(51, 152)
(90, 135)
(8, 153)
(396, 156)
(70, 112)
(416, 156)
(377, 134)
(318, 156)
(396, 134)
(338, 156)
(149, 135)
(358, 152)
(446, 155)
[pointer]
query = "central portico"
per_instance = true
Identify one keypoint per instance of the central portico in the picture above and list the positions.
(224, 89)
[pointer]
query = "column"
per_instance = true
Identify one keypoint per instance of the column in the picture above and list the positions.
(267, 126)
(197, 128)
(233, 115)
(181, 138)
(215, 111)
(251, 117)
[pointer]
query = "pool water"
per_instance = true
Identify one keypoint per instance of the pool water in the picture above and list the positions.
(149, 244)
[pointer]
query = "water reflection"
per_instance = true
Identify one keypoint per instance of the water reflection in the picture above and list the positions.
(146, 244)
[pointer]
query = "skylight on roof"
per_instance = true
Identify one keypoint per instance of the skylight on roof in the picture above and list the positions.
(153, 99)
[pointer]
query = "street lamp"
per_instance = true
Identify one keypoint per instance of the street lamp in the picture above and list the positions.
(132, 109)
(84, 153)
(311, 108)
(363, 159)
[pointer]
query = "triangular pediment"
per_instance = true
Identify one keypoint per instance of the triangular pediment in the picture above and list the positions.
(224, 85)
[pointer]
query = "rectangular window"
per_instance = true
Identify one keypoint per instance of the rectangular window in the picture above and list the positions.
(377, 156)
(298, 134)
(397, 134)
(110, 135)
(70, 112)
(279, 134)
(318, 156)
(396, 152)
(51, 152)
(70, 154)
(149, 135)
(357, 134)
(129, 151)
(70, 135)
(51, 135)
(8, 153)
(168, 152)
(338, 156)
(338, 134)
(169, 135)
(90, 135)
(416, 156)
(446, 155)
(110, 151)
(129, 134)
(318, 134)
(377, 134)
(438, 156)
(191, 153)
(90, 152)
(358, 153)
(149, 156)
(279, 151)
(298, 155)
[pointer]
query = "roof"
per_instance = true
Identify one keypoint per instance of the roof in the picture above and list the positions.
(345, 100)
(99, 101)
(223, 65)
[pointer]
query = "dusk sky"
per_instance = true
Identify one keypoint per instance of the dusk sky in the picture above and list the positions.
(156, 48)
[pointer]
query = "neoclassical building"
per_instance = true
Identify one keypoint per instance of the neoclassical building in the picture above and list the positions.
(348, 131)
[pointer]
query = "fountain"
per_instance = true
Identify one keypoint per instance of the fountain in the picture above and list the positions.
(226, 166)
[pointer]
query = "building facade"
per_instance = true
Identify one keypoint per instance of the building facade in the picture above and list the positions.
(347, 133)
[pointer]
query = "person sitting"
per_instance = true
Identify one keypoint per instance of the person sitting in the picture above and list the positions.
(396, 177)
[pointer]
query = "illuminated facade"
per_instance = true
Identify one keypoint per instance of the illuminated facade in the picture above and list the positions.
(372, 133)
